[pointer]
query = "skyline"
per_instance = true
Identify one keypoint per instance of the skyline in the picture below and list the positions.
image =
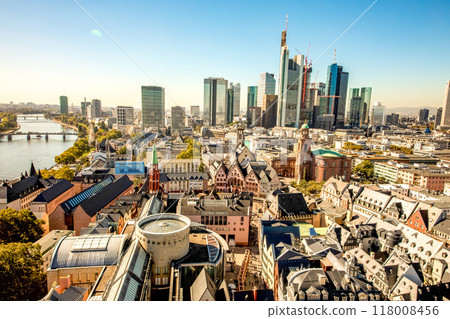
(65, 53)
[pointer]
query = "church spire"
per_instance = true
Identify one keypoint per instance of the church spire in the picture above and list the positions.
(32, 170)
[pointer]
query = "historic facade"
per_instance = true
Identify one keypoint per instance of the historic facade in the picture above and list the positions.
(320, 164)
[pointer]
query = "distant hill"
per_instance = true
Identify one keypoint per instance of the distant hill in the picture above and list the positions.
(410, 110)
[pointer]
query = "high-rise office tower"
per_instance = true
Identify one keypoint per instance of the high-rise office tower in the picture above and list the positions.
(84, 107)
(337, 82)
(354, 113)
(423, 115)
(366, 95)
(446, 106)
(64, 105)
(377, 116)
(363, 113)
(125, 115)
(215, 101)
(96, 108)
(236, 98)
(395, 118)
(438, 117)
(269, 111)
(230, 105)
(266, 85)
(282, 81)
(352, 92)
(195, 110)
(153, 106)
(290, 88)
(252, 96)
(177, 119)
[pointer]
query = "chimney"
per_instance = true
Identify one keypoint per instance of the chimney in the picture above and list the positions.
(372, 254)
(255, 294)
(322, 280)
(64, 283)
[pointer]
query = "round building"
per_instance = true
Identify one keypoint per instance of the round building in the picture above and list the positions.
(166, 238)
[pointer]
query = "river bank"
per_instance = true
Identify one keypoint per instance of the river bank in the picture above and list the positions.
(65, 124)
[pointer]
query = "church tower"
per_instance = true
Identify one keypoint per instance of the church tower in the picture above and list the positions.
(303, 161)
(153, 173)
(239, 134)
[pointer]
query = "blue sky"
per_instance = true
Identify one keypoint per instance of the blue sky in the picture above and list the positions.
(399, 48)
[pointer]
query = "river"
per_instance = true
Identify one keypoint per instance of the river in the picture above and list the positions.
(16, 155)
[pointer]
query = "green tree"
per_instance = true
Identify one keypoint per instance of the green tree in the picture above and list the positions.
(64, 172)
(19, 226)
(201, 168)
(21, 275)
(402, 149)
(364, 170)
(103, 126)
(189, 152)
(65, 157)
(113, 134)
(352, 146)
(122, 150)
(311, 188)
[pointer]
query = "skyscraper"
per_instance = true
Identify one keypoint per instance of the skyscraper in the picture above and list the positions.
(423, 115)
(153, 106)
(438, 117)
(269, 110)
(125, 115)
(195, 110)
(351, 112)
(366, 95)
(446, 106)
(230, 105)
(236, 98)
(354, 114)
(266, 85)
(252, 96)
(64, 105)
(177, 119)
(290, 89)
(337, 82)
(363, 113)
(215, 101)
(377, 116)
(96, 108)
(84, 107)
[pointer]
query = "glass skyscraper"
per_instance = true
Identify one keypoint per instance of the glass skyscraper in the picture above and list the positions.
(337, 82)
(153, 110)
(236, 98)
(252, 96)
(266, 85)
(377, 116)
(215, 101)
(64, 105)
(366, 95)
(230, 105)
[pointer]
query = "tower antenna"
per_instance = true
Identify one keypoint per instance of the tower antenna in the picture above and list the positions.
(334, 58)
(286, 22)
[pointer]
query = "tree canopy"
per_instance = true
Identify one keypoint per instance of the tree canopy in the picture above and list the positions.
(401, 149)
(189, 152)
(364, 170)
(21, 275)
(19, 226)
(352, 146)
(64, 172)
(308, 187)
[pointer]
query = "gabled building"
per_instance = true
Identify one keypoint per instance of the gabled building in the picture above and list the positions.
(81, 210)
(47, 201)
